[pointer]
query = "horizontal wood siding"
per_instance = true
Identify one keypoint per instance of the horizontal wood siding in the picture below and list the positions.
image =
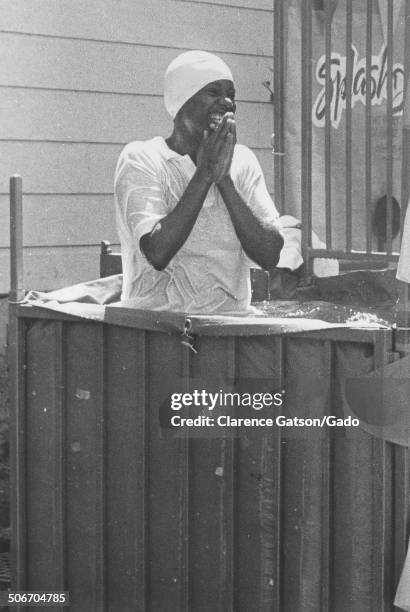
(86, 65)
(170, 23)
(80, 80)
(90, 167)
(89, 117)
(49, 267)
(43, 215)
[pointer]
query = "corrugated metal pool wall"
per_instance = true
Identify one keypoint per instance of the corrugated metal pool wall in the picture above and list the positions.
(123, 515)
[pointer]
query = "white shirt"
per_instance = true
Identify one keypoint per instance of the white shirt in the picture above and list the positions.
(210, 273)
(403, 267)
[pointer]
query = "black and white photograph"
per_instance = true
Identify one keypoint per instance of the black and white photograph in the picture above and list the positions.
(204, 305)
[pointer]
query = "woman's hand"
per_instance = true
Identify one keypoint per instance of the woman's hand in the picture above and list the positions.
(215, 153)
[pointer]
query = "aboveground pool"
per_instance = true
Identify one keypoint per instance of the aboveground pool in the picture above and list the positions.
(126, 512)
(118, 505)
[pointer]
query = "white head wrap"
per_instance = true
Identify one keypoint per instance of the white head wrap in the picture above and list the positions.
(188, 73)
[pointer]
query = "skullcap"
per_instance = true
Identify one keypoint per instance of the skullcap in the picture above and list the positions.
(188, 73)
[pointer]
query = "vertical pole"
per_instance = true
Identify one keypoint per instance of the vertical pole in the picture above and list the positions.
(16, 368)
(16, 239)
(306, 129)
(402, 314)
(348, 150)
(328, 125)
(278, 106)
(405, 183)
(389, 135)
(368, 128)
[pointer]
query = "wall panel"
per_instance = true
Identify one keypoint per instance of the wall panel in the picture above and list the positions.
(213, 27)
(68, 220)
(58, 63)
(88, 117)
(52, 268)
(80, 80)
(75, 168)
(262, 5)
(60, 167)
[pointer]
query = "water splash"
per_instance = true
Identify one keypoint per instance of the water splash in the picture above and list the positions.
(330, 312)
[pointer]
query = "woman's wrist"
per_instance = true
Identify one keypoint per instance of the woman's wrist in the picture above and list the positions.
(204, 176)
(225, 182)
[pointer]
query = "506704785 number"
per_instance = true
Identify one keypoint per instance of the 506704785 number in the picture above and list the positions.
(34, 598)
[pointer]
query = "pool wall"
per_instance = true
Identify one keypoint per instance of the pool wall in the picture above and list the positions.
(115, 509)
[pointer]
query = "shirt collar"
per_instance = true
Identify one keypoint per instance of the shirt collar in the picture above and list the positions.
(170, 154)
(165, 150)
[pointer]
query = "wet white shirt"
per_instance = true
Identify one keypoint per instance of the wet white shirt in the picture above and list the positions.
(403, 268)
(210, 273)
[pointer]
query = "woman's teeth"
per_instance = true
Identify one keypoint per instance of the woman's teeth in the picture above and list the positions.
(214, 120)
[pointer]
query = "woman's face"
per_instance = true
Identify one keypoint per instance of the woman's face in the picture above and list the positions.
(205, 109)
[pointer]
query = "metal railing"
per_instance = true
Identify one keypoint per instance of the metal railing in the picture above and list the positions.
(381, 219)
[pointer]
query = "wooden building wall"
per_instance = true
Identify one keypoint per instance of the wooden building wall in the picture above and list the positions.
(80, 79)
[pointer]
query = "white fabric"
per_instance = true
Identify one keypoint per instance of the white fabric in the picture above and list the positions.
(402, 599)
(291, 254)
(210, 273)
(188, 73)
(403, 268)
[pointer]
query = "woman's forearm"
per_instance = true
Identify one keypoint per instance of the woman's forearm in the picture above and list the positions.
(169, 234)
(260, 239)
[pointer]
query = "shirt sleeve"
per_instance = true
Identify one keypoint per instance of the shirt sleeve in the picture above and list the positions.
(252, 186)
(139, 195)
(403, 268)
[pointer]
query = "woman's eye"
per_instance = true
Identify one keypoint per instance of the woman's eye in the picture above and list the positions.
(215, 93)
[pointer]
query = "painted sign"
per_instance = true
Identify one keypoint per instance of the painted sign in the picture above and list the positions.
(378, 85)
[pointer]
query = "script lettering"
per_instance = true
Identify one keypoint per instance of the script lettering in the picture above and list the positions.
(338, 85)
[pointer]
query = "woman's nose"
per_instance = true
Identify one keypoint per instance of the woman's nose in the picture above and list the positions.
(227, 103)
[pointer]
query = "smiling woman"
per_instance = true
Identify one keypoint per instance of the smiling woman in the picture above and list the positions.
(188, 73)
(193, 210)
(201, 115)
(220, 95)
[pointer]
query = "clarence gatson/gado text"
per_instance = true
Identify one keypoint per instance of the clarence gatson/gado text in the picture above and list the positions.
(378, 85)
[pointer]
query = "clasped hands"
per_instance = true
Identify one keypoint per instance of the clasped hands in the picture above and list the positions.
(215, 153)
